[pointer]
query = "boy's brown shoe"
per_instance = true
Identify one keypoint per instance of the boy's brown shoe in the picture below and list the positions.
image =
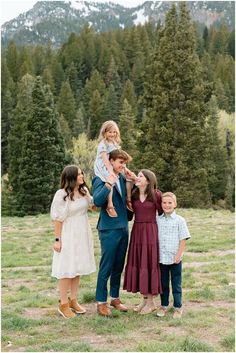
(116, 303)
(65, 311)
(78, 309)
(177, 314)
(103, 309)
(161, 311)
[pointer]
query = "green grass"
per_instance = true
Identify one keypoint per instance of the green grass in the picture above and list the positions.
(30, 321)
(229, 343)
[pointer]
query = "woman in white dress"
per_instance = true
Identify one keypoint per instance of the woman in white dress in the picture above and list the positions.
(73, 246)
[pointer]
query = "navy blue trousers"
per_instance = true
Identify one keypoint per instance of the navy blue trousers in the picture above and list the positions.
(113, 250)
(175, 271)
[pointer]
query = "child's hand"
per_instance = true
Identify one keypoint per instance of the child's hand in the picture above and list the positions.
(130, 175)
(177, 259)
(112, 178)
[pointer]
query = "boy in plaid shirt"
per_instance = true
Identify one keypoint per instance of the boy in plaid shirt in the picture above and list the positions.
(173, 233)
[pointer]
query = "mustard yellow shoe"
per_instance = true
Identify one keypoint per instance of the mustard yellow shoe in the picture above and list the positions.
(65, 311)
(77, 308)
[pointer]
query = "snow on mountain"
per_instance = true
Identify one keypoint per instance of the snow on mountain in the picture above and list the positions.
(55, 20)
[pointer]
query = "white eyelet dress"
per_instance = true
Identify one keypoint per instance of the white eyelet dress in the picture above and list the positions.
(77, 252)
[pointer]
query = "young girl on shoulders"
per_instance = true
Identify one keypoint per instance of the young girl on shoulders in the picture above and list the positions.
(109, 140)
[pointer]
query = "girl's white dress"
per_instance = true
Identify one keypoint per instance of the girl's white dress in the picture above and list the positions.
(100, 169)
(77, 252)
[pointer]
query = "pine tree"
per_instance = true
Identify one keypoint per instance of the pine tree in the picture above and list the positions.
(128, 129)
(48, 79)
(39, 59)
(75, 83)
(111, 104)
(22, 113)
(87, 37)
(64, 127)
(112, 76)
(66, 104)
(128, 93)
(8, 102)
(58, 76)
(79, 124)
(42, 154)
(94, 83)
(217, 159)
(230, 181)
(12, 60)
(174, 128)
(95, 113)
(24, 62)
(205, 37)
(231, 44)
(7, 114)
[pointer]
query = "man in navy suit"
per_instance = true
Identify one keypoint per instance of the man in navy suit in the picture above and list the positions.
(113, 233)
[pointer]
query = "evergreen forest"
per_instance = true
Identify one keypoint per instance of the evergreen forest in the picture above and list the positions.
(165, 85)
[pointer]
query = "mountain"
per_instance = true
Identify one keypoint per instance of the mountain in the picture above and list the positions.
(55, 20)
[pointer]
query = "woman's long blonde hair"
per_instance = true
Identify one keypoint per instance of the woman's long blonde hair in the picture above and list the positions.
(106, 126)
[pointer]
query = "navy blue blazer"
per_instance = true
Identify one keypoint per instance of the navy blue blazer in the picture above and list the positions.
(100, 194)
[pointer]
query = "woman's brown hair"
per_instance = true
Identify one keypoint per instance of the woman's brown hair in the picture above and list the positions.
(151, 187)
(69, 180)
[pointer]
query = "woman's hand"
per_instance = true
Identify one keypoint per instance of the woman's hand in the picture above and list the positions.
(57, 246)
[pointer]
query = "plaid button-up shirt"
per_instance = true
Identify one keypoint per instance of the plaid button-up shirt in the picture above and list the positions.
(171, 229)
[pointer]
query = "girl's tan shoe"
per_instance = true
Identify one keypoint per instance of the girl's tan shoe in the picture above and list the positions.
(148, 308)
(65, 311)
(78, 309)
(139, 307)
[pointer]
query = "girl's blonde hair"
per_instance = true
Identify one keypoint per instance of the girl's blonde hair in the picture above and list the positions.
(106, 126)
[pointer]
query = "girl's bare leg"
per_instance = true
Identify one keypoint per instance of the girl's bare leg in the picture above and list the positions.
(110, 207)
(64, 286)
(74, 287)
(129, 185)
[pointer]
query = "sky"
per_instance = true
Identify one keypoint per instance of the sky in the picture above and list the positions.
(12, 8)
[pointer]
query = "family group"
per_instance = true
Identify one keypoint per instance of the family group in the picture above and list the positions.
(156, 244)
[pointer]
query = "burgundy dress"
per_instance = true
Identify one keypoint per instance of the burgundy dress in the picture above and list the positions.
(142, 271)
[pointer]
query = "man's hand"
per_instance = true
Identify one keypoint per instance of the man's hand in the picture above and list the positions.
(57, 246)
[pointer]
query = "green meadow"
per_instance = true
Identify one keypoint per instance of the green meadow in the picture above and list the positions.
(30, 322)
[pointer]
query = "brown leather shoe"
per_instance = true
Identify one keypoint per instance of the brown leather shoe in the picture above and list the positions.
(116, 303)
(103, 309)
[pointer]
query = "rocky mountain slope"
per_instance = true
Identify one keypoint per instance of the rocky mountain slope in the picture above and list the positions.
(55, 20)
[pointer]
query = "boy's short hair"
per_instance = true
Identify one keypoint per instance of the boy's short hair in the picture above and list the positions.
(115, 154)
(170, 194)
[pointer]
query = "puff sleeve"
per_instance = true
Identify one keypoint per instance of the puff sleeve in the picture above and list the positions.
(59, 207)
(89, 197)
(101, 147)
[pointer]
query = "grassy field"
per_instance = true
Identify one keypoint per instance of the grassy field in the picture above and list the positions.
(30, 321)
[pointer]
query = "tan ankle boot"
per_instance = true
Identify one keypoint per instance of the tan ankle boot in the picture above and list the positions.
(148, 308)
(65, 311)
(139, 307)
(78, 309)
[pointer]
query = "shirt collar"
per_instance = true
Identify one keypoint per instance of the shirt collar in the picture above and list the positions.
(172, 215)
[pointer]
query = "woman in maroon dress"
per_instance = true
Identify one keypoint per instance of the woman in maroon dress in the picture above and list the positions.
(142, 272)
